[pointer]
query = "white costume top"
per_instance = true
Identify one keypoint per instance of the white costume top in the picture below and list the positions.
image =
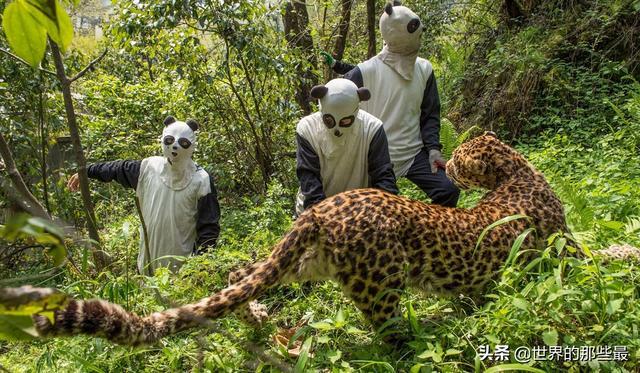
(396, 101)
(343, 160)
(173, 209)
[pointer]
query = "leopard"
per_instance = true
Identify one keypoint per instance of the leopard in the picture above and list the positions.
(372, 243)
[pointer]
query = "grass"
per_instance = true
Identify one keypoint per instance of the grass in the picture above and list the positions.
(553, 300)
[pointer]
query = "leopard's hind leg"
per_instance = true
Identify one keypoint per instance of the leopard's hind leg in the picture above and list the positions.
(311, 266)
(252, 313)
(375, 286)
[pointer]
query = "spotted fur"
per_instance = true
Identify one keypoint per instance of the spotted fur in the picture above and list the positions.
(374, 244)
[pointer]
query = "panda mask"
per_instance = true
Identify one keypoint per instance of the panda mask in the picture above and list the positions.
(401, 31)
(339, 100)
(178, 143)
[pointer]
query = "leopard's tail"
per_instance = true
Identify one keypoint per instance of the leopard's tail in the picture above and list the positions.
(618, 252)
(108, 320)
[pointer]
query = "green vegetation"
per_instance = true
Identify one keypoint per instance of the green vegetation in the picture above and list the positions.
(558, 79)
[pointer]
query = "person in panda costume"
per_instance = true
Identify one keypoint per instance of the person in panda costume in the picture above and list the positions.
(177, 198)
(405, 97)
(341, 147)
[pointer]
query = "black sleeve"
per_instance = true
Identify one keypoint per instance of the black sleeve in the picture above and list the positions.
(355, 75)
(207, 225)
(125, 173)
(308, 171)
(430, 115)
(342, 68)
(380, 167)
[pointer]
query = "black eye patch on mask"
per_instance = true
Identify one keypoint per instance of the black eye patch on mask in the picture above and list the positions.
(184, 143)
(330, 122)
(413, 25)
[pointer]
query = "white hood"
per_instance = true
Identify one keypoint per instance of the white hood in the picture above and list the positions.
(401, 30)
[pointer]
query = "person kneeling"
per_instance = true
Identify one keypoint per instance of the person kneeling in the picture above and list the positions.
(341, 147)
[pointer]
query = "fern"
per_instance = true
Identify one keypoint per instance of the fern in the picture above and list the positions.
(450, 139)
(580, 215)
(632, 226)
(464, 136)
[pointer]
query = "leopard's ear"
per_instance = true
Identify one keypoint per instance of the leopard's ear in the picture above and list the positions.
(476, 166)
(491, 133)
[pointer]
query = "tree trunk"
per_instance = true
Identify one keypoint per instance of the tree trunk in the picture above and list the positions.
(296, 28)
(43, 145)
(371, 27)
(99, 256)
(513, 12)
(343, 29)
(21, 195)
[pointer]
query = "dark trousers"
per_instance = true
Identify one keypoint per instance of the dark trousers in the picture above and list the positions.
(437, 186)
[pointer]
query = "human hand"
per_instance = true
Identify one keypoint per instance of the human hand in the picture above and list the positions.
(328, 59)
(436, 161)
(73, 183)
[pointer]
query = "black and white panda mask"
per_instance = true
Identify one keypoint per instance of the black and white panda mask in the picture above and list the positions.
(178, 141)
(401, 30)
(339, 100)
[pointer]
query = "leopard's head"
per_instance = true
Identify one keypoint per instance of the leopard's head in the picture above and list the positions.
(484, 162)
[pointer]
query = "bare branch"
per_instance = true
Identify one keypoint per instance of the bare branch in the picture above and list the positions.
(21, 188)
(11, 193)
(25, 62)
(89, 67)
(100, 257)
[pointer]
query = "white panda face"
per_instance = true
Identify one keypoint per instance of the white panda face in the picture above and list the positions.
(401, 29)
(178, 141)
(339, 100)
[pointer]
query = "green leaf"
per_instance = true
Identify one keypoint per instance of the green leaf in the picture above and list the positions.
(435, 355)
(58, 254)
(354, 330)
(413, 319)
(65, 27)
(11, 230)
(53, 17)
(48, 226)
(304, 356)
(452, 351)
(597, 328)
(25, 36)
(496, 224)
(517, 244)
(334, 356)
(550, 338)
(611, 224)
(322, 325)
(560, 243)
(16, 328)
(513, 367)
(614, 305)
(18, 304)
(560, 293)
(339, 321)
(521, 303)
